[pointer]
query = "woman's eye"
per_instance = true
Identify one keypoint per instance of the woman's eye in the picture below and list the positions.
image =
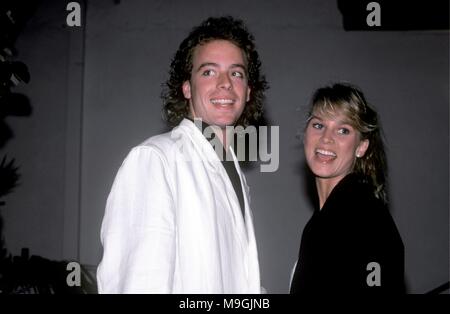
(317, 126)
(208, 73)
(344, 131)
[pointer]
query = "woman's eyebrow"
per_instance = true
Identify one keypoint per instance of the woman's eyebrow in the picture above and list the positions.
(315, 117)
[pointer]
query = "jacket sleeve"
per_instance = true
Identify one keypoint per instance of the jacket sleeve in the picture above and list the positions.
(138, 229)
(386, 249)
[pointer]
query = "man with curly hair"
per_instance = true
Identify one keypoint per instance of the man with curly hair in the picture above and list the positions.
(178, 218)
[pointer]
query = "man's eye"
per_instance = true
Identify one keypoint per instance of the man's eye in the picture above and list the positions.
(238, 74)
(208, 73)
(344, 131)
(317, 126)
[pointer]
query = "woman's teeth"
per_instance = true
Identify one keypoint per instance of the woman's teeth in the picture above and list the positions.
(325, 152)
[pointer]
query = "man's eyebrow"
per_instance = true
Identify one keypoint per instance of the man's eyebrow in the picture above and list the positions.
(207, 64)
(216, 65)
(239, 65)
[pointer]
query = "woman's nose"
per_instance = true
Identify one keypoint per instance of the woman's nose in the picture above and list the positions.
(327, 136)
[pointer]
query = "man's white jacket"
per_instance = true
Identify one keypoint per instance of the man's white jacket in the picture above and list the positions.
(173, 223)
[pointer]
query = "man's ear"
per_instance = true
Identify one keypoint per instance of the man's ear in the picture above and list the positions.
(187, 89)
(362, 148)
(248, 94)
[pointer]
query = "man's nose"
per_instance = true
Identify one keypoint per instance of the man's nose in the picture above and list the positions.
(224, 81)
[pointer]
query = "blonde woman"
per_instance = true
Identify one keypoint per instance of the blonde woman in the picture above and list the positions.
(351, 243)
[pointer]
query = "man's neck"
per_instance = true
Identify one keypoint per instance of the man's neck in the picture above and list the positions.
(222, 133)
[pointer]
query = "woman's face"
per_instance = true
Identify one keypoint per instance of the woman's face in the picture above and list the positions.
(332, 146)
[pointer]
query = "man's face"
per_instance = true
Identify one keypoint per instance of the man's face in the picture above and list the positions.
(218, 87)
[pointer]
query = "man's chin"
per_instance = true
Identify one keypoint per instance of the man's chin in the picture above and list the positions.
(223, 124)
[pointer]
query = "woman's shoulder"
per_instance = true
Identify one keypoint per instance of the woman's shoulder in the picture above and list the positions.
(352, 193)
(353, 200)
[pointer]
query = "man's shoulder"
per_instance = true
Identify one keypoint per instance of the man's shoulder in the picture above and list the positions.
(158, 141)
(161, 144)
(166, 143)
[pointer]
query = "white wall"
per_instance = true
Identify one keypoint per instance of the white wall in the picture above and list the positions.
(128, 48)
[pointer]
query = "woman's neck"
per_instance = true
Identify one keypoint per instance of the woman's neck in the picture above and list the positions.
(324, 188)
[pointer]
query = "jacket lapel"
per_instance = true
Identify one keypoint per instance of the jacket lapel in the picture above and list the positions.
(207, 154)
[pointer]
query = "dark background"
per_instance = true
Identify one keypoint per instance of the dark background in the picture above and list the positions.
(95, 92)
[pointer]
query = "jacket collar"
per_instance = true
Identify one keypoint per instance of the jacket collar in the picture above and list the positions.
(207, 153)
(201, 144)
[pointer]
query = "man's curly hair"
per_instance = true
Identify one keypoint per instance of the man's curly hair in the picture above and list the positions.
(176, 106)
